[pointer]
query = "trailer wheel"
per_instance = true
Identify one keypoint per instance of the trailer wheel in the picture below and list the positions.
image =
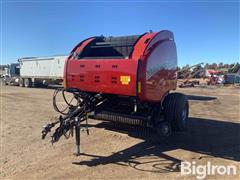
(28, 83)
(21, 82)
(176, 110)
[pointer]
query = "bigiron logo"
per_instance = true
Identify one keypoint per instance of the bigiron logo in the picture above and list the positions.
(201, 171)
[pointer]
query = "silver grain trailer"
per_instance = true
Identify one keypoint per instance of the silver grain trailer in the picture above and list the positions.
(41, 71)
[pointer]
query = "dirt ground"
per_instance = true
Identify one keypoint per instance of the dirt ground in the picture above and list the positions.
(111, 152)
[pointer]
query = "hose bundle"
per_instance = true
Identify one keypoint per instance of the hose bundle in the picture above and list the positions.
(55, 106)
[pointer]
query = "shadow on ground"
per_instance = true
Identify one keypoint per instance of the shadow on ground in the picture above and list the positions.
(201, 98)
(206, 136)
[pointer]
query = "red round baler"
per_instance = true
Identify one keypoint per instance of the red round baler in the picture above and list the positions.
(141, 69)
(124, 79)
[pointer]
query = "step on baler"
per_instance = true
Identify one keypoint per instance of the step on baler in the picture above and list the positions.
(124, 79)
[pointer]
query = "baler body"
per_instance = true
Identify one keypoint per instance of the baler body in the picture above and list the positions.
(141, 66)
(124, 80)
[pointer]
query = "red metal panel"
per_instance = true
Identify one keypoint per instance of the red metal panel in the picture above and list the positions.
(158, 71)
(80, 47)
(141, 44)
(76, 50)
(150, 71)
(103, 75)
(160, 36)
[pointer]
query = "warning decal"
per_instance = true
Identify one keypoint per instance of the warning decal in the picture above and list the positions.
(125, 80)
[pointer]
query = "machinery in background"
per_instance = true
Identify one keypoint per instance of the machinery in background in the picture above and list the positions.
(36, 72)
(41, 71)
(186, 74)
(11, 74)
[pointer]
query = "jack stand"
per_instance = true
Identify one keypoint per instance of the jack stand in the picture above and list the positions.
(77, 134)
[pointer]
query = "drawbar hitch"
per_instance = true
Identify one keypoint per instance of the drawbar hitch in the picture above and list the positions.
(73, 116)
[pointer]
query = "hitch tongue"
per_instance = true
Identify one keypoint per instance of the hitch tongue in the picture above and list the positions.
(47, 129)
(75, 115)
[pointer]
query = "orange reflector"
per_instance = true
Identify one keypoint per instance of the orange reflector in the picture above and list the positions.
(139, 87)
(64, 83)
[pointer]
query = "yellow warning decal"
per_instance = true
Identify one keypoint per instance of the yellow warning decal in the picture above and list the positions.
(125, 80)
(139, 87)
(65, 83)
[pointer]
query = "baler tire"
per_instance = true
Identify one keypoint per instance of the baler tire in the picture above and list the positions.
(21, 82)
(28, 83)
(176, 109)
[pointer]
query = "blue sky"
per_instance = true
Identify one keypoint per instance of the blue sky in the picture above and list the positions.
(204, 31)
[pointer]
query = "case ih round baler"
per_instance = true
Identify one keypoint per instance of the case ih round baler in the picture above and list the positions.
(124, 79)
